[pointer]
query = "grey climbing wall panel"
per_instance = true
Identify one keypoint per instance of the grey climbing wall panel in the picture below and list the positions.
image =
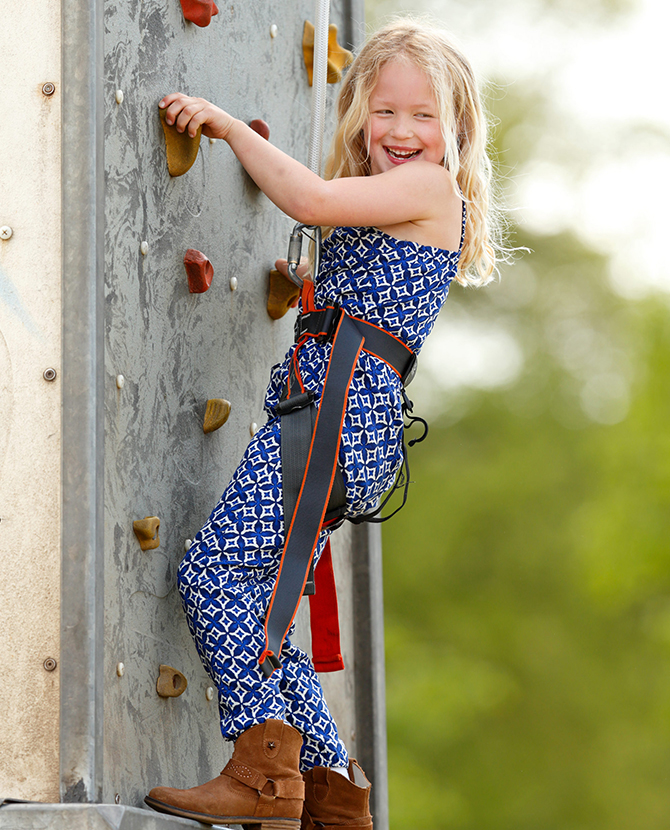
(175, 350)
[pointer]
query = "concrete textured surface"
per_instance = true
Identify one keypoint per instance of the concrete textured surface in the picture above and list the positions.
(87, 817)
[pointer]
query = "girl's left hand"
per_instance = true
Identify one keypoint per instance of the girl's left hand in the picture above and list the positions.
(302, 270)
(187, 114)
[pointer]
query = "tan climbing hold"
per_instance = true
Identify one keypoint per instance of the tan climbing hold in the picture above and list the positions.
(171, 682)
(283, 295)
(146, 530)
(338, 57)
(216, 414)
(182, 150)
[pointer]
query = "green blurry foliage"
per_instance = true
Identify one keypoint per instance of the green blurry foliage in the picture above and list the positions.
(571, 12)
(527, 591)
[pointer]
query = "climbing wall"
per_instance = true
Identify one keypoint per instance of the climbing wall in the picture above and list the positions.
(107, 364)
(167, 351)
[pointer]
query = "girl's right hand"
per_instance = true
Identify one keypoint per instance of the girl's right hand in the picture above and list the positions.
(187, 114)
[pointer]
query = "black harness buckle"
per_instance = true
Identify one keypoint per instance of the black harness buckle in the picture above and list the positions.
(321, 323)
(299, 401)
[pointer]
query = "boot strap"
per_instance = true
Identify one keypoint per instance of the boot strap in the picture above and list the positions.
(284, 788)
(289, 788)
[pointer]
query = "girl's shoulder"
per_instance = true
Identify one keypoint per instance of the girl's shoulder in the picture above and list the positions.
(439, 226)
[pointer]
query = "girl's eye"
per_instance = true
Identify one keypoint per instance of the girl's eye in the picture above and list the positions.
(424, 115)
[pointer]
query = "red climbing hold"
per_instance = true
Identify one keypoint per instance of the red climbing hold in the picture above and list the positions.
(199, 270)
(199, 12)
(259, 126)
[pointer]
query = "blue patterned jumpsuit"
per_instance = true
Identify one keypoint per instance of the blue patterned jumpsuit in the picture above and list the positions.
(227, 577)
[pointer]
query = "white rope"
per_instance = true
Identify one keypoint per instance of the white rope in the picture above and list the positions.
(319, 77)
(319, 85)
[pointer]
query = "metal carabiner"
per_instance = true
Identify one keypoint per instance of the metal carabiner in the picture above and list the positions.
(295, 248)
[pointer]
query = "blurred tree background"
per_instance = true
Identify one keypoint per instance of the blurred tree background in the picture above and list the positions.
(527, 582)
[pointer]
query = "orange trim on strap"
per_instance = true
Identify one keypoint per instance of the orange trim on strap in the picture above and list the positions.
(307, 296)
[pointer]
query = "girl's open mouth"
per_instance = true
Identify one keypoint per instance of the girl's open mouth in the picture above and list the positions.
(398, 154)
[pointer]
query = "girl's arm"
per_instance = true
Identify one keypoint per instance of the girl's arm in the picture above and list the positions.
(413, 192)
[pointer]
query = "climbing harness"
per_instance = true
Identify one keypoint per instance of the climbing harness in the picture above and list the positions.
(313, 487)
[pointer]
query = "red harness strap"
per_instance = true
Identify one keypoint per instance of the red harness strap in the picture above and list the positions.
(324, 619)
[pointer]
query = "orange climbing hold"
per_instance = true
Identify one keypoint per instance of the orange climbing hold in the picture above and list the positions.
(181, 149)
(199, 12)
(146, 530)
(261, 127)
(199, 271)
(283, 295)
(338, 56)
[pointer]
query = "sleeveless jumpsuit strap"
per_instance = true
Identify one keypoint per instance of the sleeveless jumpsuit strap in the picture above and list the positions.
(465, 216)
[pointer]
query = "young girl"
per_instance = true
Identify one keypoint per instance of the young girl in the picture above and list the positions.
(405, 202)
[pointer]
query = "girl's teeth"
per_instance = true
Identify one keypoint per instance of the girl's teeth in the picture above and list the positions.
(401, 155)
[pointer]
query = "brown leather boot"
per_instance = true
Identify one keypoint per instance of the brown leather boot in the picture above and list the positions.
(332, 801)
(260, 787)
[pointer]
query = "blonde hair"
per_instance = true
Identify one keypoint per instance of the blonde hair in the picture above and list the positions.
(463, 122)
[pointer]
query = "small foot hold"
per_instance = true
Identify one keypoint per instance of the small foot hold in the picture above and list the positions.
(199, 12)
(182, 150)
(338, 56)
(171, 682)
(146, 530)
(199, 271)
(216, 414)
(283, 295)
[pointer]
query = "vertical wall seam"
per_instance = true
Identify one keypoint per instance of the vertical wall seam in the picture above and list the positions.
(82, 389)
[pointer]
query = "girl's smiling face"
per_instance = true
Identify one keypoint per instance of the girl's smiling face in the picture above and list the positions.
(404, 123)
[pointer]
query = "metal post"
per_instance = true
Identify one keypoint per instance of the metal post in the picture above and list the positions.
(370, 670)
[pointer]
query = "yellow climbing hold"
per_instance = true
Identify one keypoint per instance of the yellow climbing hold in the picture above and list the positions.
(146, 530)
(283, 295)
(216, 414)
(182, 150)
(338, 57)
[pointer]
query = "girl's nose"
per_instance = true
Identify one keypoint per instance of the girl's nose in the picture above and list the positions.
(402, 127)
